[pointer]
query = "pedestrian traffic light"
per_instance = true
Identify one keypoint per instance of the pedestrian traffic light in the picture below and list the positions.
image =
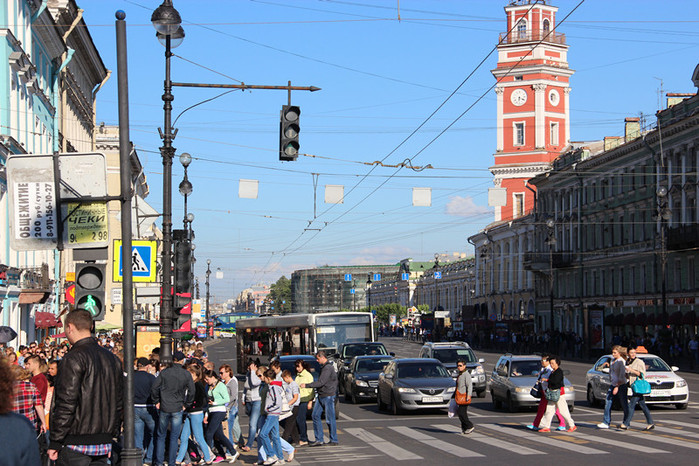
(89, 288)
(289, 133)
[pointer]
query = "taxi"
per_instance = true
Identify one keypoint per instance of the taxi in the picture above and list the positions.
(666, 386)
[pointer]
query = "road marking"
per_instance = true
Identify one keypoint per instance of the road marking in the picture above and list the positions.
(545, 439)
(648, 437)
(346, 417)
(493, 442)
(441, 445)
(394, 451)
(683, 424)
(586, 410)
(669, 430)
(630, 446)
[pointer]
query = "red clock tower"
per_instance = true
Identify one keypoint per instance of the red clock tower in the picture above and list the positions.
(533, 124)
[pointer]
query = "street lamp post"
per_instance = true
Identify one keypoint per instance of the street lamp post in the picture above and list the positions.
(167, 23)
(551, 241)
(434, 277)
(208, 273)
(664, 215)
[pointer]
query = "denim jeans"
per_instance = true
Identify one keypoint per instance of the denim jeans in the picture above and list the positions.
(269, 436)
(301, 421)
(252, 409)
(632, 407)
(144, 430)
(327, 404)
(215, 429)
(622, 396)
(174, 420)
(234, 432)
(194, 425)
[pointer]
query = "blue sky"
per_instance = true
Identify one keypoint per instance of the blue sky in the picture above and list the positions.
(381, 78)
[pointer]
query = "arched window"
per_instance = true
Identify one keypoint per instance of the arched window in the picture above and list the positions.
(522, 29)
(547, 26)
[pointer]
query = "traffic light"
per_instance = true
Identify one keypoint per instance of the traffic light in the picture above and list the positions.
(289, 133)
(183, 262)
(89, 288)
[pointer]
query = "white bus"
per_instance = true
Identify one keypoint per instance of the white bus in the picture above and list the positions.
(300, 334)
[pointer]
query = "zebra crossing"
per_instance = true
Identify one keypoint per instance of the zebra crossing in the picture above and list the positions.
(428, 441)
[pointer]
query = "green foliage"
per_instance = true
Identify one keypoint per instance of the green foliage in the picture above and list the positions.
(423, 308)
(280, 292)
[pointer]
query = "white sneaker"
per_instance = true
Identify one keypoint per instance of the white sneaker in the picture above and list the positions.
(232, 458)
(603, 425)
(270, 460)
(290, 458)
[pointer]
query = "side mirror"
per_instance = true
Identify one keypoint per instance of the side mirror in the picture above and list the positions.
(392, 354)
(335, 355)
(481, 361)
(675, 368)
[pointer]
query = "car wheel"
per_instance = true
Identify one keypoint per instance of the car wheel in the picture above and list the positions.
(511, 406)
(354, 399)
(497, 404)
(395, 409)
(591, 396)
(481, 394)
(681, 406)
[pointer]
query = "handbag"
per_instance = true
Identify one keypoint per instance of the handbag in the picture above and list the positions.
(640, 386)
(462, 398)
(552, 395)
(536, 390)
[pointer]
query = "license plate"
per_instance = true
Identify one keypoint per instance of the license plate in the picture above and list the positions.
(659, 393)
(431, 399)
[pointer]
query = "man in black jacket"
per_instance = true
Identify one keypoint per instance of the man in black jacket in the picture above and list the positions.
(326, 388)
(172, 392)
(88, 400)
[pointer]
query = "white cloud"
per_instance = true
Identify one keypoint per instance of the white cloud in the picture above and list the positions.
(465, 207)
(380, 255)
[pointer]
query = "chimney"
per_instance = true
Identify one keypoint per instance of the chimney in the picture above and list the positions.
(632, 128)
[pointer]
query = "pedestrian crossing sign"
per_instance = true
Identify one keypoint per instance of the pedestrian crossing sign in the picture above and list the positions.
(143, 259)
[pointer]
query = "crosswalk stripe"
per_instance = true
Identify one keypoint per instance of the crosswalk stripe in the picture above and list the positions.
(441, 445)
(648, 437)
(394, 451)
(493, 442)
(670, 430)
(630, 446)
(546, 439)
(683, 424)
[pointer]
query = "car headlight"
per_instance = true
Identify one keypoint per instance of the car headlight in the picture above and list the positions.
(479, 370)
(406, 390)
(681, 383)
(451, 389)
(523, 389)
(361, 383)
(569, 389)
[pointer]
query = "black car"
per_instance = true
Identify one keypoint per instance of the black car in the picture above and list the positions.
(347, 351)
(362, 377)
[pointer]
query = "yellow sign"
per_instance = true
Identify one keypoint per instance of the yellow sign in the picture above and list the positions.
(143, 258)
(87, 223)
(147, 338)
(70, 276)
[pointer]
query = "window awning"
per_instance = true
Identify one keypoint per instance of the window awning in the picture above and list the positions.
(32, 297)
(46, 320)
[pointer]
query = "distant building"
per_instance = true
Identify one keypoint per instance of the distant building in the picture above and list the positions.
(331, 289)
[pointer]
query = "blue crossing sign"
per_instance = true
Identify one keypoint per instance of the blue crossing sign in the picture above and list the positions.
(377, 277)
(351, 290)
(348, 277)
(143, 258)
(437, 275)
(405, 276)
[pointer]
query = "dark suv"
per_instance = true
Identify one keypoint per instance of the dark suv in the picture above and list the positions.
(347, 351)
(449, 352)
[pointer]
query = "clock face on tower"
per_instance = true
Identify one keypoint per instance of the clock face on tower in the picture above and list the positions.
(518, 97)
(554, 97)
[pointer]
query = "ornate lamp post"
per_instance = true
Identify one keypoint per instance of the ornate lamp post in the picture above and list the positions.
(551, 241)
(664, 215)
(167, 23)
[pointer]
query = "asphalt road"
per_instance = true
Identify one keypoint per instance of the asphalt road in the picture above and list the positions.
(371, 437)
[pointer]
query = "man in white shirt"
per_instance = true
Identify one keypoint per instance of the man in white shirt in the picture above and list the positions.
(618, 387)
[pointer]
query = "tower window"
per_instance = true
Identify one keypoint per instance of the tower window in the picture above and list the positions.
(554, 134)
(519, 78)
(519, 134)
(547, 26)
(522, 29)
(518, 207)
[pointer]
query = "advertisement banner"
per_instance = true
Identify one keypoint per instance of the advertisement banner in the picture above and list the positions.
(147, 338)
(596, 329)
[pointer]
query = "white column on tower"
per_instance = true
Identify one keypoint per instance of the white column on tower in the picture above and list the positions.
(567, 113)
(499, 91)
(539, 114)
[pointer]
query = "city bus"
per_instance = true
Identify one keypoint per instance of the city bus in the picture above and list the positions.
(300, 334)
(224, 324)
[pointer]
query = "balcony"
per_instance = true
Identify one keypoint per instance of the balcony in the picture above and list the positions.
(537, 261)
(516, 37)
(683, 237)
(35, 279)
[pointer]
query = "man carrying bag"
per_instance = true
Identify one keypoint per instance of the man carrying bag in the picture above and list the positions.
(462, 396)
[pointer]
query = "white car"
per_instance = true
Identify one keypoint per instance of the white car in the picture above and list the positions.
(666, 386)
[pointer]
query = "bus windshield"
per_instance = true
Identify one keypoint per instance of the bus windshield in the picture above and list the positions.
(332, 331)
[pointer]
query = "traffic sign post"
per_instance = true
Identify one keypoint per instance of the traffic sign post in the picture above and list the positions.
(437, 275)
